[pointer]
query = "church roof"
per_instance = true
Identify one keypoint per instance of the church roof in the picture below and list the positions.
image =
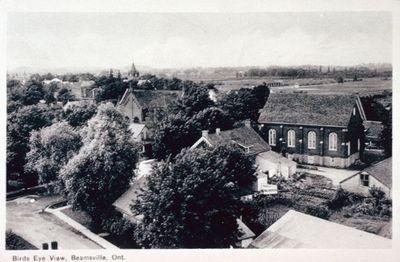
(153, 98)
(308, 109)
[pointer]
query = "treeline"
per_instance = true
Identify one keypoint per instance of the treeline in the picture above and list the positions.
(317, 72)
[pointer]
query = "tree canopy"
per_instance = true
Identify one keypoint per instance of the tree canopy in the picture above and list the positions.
(102, 169)
(191, 203)
(50, 149)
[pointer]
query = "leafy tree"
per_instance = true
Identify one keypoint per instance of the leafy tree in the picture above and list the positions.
(50, 149)
(387, 133)
(20, 124)
(261, 93)
(101, 171)
(65, 95)
(190, 203)
(34, 93)
(174, 132)
(79, 115)
(240, 104)
(212, 118)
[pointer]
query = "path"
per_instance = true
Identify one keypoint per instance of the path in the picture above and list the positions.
(335, 174)
(26, 219)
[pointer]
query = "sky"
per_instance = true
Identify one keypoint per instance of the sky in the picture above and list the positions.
(178, 40)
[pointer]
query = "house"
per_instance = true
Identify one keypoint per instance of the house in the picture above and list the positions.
(314, 129)
(269, 163)
(245, 235)
(378, 175)
(298, 230)
(142, 135)
(142, 105)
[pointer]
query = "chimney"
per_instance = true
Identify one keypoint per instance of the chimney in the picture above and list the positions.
(218, 131)
(247, 123)
(204, 133)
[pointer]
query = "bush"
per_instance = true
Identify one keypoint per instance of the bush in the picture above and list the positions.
(342, 198)
(318, 211)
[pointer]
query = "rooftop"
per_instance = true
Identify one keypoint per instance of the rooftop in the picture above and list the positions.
(153, 98)
(244, 136)
(298, 230)
(382, 171)
(308, 109)
(276, 157)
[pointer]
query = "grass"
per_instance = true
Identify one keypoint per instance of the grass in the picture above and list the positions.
(15, 242)
(79, 216)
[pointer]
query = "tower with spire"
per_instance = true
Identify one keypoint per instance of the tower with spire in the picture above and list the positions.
(133, 73)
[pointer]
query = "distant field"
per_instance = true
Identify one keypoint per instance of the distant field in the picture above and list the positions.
(325, 86)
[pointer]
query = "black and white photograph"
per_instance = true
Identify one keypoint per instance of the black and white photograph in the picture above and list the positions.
(197, 130)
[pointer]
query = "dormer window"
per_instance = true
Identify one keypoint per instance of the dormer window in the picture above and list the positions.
(364, 179)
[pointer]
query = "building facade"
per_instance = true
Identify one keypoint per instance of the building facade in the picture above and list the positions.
(323, 130)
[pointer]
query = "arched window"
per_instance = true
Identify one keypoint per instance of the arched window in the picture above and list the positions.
(272, 137)
(291, 140)
(333, 141)
(312, 140)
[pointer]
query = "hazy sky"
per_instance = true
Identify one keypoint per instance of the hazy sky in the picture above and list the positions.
(163, 40)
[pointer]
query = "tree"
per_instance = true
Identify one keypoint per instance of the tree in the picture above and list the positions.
(212, 118)
(261, 93)
(240, 104)
(20, 124)
(102, 170)
(34, 93)
(79, 115)
(50, 149)
(65, 95)
(190, 203)
(174, 132)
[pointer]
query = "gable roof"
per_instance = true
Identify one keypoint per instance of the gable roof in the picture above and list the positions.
(381, 171)
(308, 109)
(298, 230)
(152, 98)
(244, 136)
(123, 203)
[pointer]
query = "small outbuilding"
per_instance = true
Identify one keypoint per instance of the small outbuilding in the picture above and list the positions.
(378, 175)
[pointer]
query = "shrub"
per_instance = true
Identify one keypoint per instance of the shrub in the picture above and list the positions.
(318, 211)
(341, 198)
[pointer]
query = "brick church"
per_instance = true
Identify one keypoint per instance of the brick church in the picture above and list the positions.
(325, 130)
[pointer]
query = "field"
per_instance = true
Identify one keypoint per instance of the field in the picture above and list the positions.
(322, 86)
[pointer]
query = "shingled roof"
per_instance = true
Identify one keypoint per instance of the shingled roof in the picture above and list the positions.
(244, 136)
(382, 171)
(308, 109)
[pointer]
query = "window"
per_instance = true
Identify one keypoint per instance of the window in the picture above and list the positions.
(364, 179)
(333, 141)
(312, 140)
(291, 138)
(354, 111)
(272, 137)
